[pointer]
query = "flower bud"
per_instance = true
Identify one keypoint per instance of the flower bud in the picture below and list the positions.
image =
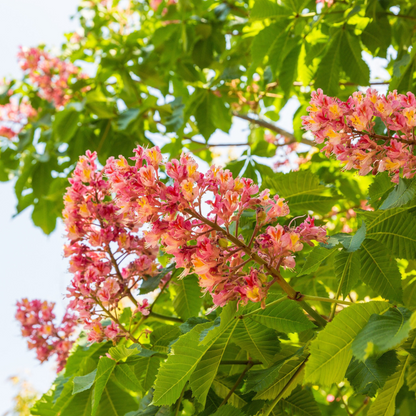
(223, 242)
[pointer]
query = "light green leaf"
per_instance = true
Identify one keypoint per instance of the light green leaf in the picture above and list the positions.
(205, 372)
(315, 258)
(258, 340)
(187, 301)
(402, 193)
(331, 350)
(383, 333)
(396, 228)
(82, 383)
(163, 336)
(347, 269)
(327, 75)
(121, 351)
(104, 370)
(146, 370)
(228, 410)
(352, 62)
(222, 390)
(126, 377)
(115, 402)
(181, 363)
(264, 9)
(379, 270)
(286, 316)
(380, 189)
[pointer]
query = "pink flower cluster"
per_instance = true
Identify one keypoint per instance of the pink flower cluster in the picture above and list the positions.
(202, 243)
(102, 240)
(50, 74)
(13, 118)
(347, 128)
(46, 337)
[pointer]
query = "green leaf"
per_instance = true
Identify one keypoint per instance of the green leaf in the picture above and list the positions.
(396, 228)
(301, 403)
(152, 283)
(187, 301)
(264, 9)
(181, 363)
(286, 316)
(127, 117)
(402, 193)
(104, 371)
(126, 377)
(347, 270)
(327, 75)
(384, 405)
(258, 340)
(146, 370)
(380, 189)
(352, 63)
(315, 258)
(115, 401)
(120, 352)
(377, 36)
(379, 271)
(368, 376)
(331, 350)
(162, 337)
(228, 410)
(84, 382)
(383, 333)
(288, 72)
(222, 390)
(65, 123)
(43, 215)
(286, 372)
(206, 370)
(353, 242)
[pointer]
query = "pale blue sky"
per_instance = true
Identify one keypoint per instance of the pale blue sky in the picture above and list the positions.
(32, 263)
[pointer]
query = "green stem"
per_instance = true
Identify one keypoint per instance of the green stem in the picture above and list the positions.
(240, 362)
(285, 388)
(180, 400)
(320, 299)
(318, 318)
(230, 393)
(361, 408)
(165, 317)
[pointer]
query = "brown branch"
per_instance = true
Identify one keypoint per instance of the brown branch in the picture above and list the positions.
(382, 137)
(272, 127)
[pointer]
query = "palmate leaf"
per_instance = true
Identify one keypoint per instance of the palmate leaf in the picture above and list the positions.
(82, 383)
(286, 372)
(264, 9)
(162, 337)
(300, 403)
(347, 269)
(331, 350)
(187, 301)
(396, 228)
(258, 340)
(383, 333)
(368, 376)
(286, 316)
(380, 271)
(384, 405)
(205, 372)
(120, 352)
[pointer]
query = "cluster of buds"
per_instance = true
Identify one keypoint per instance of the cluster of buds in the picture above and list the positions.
(13, 117)
(102, 240)
(192, 217)
(347, 128)
(47, 338)
(50, 74)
